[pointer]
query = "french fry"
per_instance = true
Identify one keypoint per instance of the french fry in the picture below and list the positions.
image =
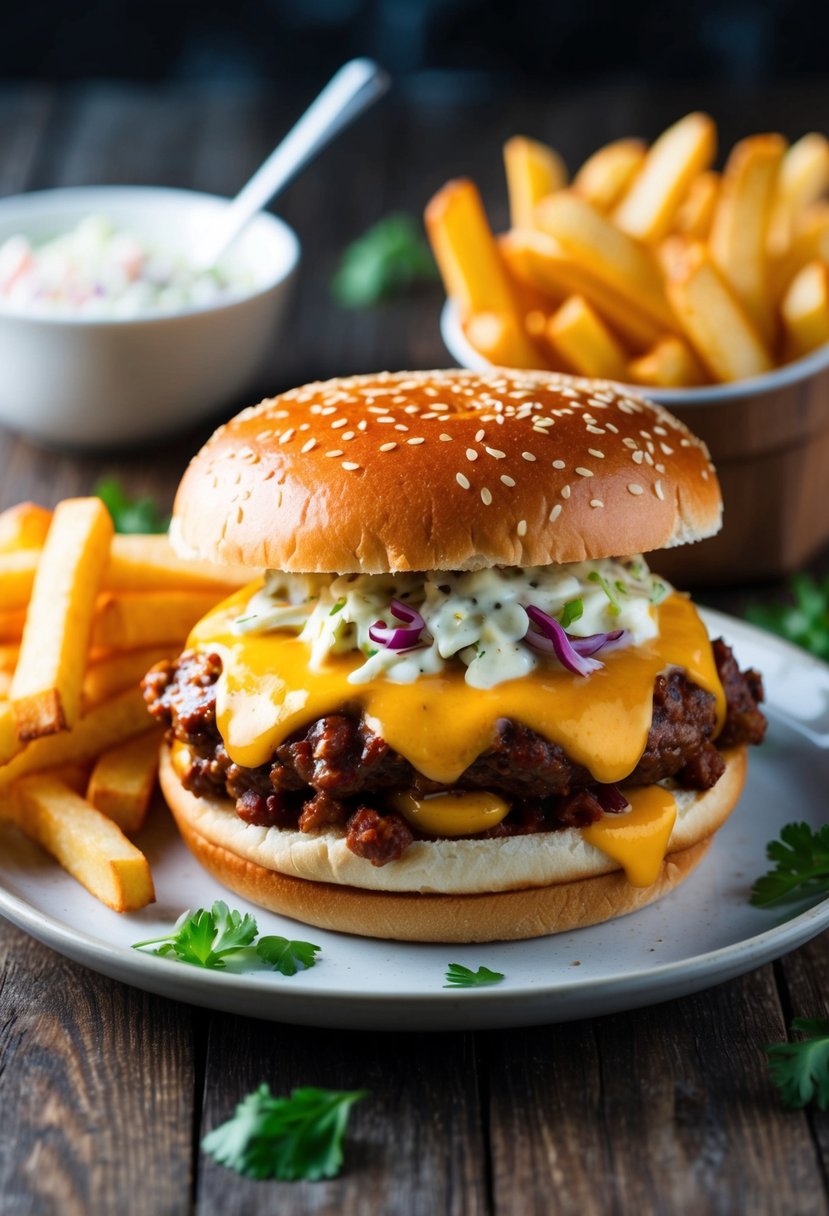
(144, 563)
(148, 618)
(713, 320)
(116, 671)
(805, 310)
(8, 656)
(17, 576)
(804, 178)
(606, 175)
(87, 844)
(123, 779)
(76, 776)
(46, 689)
(581, 338)
(696, 211)
(672, 162)
(494, 335)
(540, 261)
(5, 683)
(12, 621)
(533, 171)
(104, 726)
(24, 526)
(809, 244)
(610, 255)
(671, 364)
(740, 227)
(10, 745)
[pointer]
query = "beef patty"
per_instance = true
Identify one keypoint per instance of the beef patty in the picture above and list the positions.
(337, 770)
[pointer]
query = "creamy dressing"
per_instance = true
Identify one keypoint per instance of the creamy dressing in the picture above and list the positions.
(476, 617)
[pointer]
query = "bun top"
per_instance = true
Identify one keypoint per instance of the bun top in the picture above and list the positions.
(445, 470)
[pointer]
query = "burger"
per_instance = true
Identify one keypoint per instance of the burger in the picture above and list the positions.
(458, 706)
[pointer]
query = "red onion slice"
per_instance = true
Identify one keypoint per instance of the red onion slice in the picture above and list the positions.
(394, 638)
(550, 637)
(610, 798)
(600, 641)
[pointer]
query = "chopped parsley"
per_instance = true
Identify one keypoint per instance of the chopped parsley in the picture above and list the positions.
(458, 976)
(615, 607)
(801, 870)
(390, 257)
(804, 620)
(130, 514)
(571, 611)
(800, 1070)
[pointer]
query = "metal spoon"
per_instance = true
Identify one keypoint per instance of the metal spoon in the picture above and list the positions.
(356, 85)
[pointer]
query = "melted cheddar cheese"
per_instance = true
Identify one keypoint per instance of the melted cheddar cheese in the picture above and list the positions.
(638, 838)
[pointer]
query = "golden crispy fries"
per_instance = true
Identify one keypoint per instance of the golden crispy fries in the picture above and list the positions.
(714, 322)
(533, 171)
(671, 364)
(805, 310)
(10, 745)
(111, 673)
(496, 336)
(17, 576)
(696, 211)
(12, 621)
(609, 254)
(540, 261)
(809, 244)
(804, 178)
(8, 656)
(46, 689)
(671, 164)
(606, 175)
(740, 228)
(148, 563)
(76, 776)
(103, 727)
(5, 684)
(123, 781)
(147, 618)
(581, 338)
(86, 843)
(24, 527)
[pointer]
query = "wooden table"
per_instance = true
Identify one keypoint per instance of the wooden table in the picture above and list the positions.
(105, 1090)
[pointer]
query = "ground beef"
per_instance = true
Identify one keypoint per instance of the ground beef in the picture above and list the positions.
(323, 775)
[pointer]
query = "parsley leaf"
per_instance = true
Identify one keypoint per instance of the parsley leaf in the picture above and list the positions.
(614, 606)
(805, 621)
(285, 1138)
(286, 956)
(130, 514)
(801, 870)
(571, 611)
(389, 257)
(458, 976)
(801, 1070)
(208, 938)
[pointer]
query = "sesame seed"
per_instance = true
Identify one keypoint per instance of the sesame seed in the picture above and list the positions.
(584, 472)
(496, 453)
(329, 409)
(471, 454)
(415, 441)
(658, 491)
(565, 491)
(507, 481)
(309, 445)
(399, 426)
(335, 426)
(629, 443)
(335, 452)
(596, 502)
(610, 427)
(462, 481)
(638, 457)
(648, 458)
(479, 436)
(347, 435)
(286, 436)
(486, 496)
(596, 430)
(635, 488)
(556, 511)
(387, 447)
(559, 464)
(660, 468)
(350, 465)
(444, 438)
(667, 451)
(704, 474)
(527, 456)
(595, 452)
(521, 527)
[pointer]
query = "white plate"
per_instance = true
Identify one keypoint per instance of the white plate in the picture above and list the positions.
(703, 934)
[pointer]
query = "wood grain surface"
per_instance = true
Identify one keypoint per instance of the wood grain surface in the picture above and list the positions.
(105, 1091)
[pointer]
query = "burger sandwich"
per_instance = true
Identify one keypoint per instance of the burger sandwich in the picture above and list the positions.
(458, 706)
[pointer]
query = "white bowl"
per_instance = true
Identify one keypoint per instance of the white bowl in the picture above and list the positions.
(85, 382)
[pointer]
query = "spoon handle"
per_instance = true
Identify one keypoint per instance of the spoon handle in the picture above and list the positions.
(350, 91)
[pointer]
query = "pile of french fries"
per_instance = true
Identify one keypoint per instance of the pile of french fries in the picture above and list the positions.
(84, 613)
(649, 266)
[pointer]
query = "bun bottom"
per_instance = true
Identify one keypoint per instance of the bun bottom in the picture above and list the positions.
(506, 915)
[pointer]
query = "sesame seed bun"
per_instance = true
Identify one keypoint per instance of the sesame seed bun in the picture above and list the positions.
(463, 890)
(445, 470)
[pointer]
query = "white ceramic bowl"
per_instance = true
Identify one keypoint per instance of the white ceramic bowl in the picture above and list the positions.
(87, 382)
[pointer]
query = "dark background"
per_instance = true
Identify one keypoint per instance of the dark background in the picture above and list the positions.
(464, 45)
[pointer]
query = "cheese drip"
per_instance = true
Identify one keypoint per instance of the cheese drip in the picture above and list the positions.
(638, 838)
(439, 723)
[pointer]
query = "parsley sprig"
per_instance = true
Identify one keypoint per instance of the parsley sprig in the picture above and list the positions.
(285, 1138)
(458, 976)
(801, 870)
(209, 938)
(800, 1070)
(805, 621)
(130, 514)
(391, 256)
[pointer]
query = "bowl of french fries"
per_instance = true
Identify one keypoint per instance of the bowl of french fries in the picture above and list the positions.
(84, 613)
(706, 290)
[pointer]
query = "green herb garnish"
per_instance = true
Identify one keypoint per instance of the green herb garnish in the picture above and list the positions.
(391, 256)
(338, 607)
(285, 1138)
(209, 938)
(615, 607)
(571, 611)
(801, 1070)
(458, 976)
(804, 622)
(130, 514)
(658, 591)
(801, 870)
